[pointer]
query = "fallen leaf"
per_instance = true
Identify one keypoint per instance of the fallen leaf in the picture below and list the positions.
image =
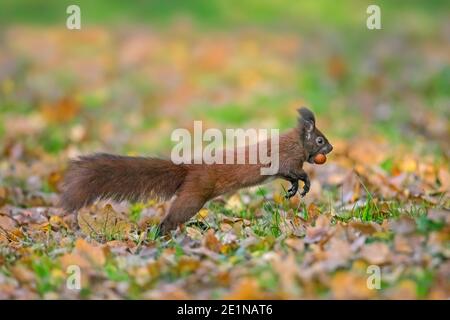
(84, 255)
(245, 289)
(105, 224)
(346, 285)
(194, 233)
(211, 242)
(377, 253)
(234, 203)
(63, 110)
(367, 228)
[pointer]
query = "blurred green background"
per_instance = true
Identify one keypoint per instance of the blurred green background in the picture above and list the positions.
(137, 70)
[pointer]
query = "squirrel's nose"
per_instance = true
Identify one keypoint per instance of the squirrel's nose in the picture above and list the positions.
(330, 148)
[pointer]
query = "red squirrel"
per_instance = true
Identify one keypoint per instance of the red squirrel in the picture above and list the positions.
(102, 176)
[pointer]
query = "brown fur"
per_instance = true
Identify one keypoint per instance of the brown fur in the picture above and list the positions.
(102, 176)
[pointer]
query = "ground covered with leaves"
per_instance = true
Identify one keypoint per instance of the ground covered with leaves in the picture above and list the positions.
(380, 200)
(254, 244)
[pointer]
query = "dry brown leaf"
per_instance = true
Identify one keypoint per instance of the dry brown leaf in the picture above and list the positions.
(84, 255)
(444, 179)
(3, 196)
(401, 244)
(211, 242)
(225, 227)
(320, 232)
(338, 253)
(234, 203)
(376, 253)
(245, 289)
(315, 234)
(337, 67)
(366, 228)
(56, 222)
(187, 264)
(61, 111)
(105, 223)
(347, 285)
(405, 290)
(23, 274)
(403, 225)
(94, 253)
(7, 223)
(194, 233)
(313, 212)
(295, 243)
(287, 270)
(54, 179)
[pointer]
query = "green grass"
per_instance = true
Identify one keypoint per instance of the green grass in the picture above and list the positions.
(42, 268)
(230, 114)
(221, 13)
(114, 273)
(135, 211)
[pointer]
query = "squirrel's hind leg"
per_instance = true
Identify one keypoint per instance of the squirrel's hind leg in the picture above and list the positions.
(184, 207)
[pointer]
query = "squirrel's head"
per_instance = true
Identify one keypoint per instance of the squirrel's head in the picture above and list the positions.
(314, 141)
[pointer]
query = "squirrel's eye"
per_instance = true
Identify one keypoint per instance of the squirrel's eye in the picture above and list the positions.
(319, 140)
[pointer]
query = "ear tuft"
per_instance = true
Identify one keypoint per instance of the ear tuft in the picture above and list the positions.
(306, 114)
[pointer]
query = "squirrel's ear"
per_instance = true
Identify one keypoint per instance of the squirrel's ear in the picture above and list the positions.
(307, 119)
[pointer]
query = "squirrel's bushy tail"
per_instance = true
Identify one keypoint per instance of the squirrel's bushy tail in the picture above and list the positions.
(106, 176)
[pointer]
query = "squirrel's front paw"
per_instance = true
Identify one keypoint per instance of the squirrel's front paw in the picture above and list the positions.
(290, 193)
(304, 192)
